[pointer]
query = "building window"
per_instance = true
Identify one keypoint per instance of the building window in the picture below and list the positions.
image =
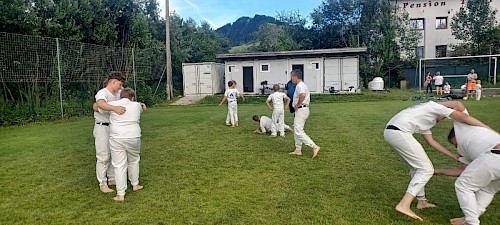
(230, 69)
(315, 65)
(420, 52)
(264, 68)
(441, 22)
(441, 51)
(417, 24)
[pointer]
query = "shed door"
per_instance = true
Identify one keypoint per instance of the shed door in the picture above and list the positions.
(349, 73)
(205, 79)
(248, 79)
(332, 74)
(190, 80)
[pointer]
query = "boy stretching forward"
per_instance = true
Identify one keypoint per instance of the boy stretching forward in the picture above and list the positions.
(278, 110)
(265, 124)
(231, 95)
(125, 142)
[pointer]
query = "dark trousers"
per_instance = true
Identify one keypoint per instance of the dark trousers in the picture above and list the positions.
(292, 110)
(428, 89)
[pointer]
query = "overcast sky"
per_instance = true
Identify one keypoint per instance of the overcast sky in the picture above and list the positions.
(220, 12)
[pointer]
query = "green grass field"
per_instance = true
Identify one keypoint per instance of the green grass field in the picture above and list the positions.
(195, 170)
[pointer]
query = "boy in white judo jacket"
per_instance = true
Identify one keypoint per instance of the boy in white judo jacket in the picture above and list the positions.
(125, 142)
(399, 134)
(278, 110)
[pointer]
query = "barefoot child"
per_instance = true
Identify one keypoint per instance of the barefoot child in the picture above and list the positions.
(447, 88)
(278, 110)
(231, 95)
(479, 90)
(265, 124)
(125, 142)
(399, 134)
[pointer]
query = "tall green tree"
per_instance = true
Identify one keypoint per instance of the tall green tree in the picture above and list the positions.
(295, 26)
(335, 23)
(390, 42)
(473, 25)
(272, 37)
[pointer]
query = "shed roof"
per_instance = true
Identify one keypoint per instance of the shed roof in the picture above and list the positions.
(294, 54)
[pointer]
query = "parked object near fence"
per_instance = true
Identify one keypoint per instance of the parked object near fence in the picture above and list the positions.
(203, 78)
(377, 84)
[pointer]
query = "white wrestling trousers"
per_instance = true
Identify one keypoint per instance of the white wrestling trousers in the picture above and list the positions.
(299, 134)
(232, 113)
(103, 168)
(477, 186)
(278, 122)
(125, 156)
(478, 95)
(414, 156)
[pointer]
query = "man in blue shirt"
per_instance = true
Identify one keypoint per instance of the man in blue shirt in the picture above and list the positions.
(290, 89)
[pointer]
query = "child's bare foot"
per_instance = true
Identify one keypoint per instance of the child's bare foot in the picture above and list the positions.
(422, 204)
(137, 187)
(408, 212)
(119, 198)
(111, 182)
(458, 221)
(104, 188)
(315, 151)
(236, 124)
(296, 152)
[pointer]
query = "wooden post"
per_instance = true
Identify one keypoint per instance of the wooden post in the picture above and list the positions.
(169, 56)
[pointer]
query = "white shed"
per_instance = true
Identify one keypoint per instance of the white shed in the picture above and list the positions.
(203, 78)
(323, 70)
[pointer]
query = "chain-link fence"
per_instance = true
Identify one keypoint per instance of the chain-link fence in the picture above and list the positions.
(49, 78)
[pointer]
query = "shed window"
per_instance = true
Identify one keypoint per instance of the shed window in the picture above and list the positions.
(264, 68)
(315, 65)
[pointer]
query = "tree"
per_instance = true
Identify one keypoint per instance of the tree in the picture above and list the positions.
(272, 37)
(335, 23)
(473, 24)
(386, 33)
(294, 25)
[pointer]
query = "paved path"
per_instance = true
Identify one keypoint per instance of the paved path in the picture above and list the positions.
(188, 100)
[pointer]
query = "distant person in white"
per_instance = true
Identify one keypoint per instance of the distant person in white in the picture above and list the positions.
(125, 142)
(479, 90)
(265, 124)
(278, 110)
(438, 83)
(479, 175)
(301, 100)
(447, 88)
(399, 134)
(111, 92)
(231, 95)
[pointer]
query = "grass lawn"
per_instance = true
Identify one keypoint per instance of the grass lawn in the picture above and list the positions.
(195, 170)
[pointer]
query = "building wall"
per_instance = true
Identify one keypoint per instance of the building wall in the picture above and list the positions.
(429, 11)
(203, 78)
(277, 71)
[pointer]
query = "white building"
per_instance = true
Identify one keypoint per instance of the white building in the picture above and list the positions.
(203, 78)
(433, 18)
(323, 69)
